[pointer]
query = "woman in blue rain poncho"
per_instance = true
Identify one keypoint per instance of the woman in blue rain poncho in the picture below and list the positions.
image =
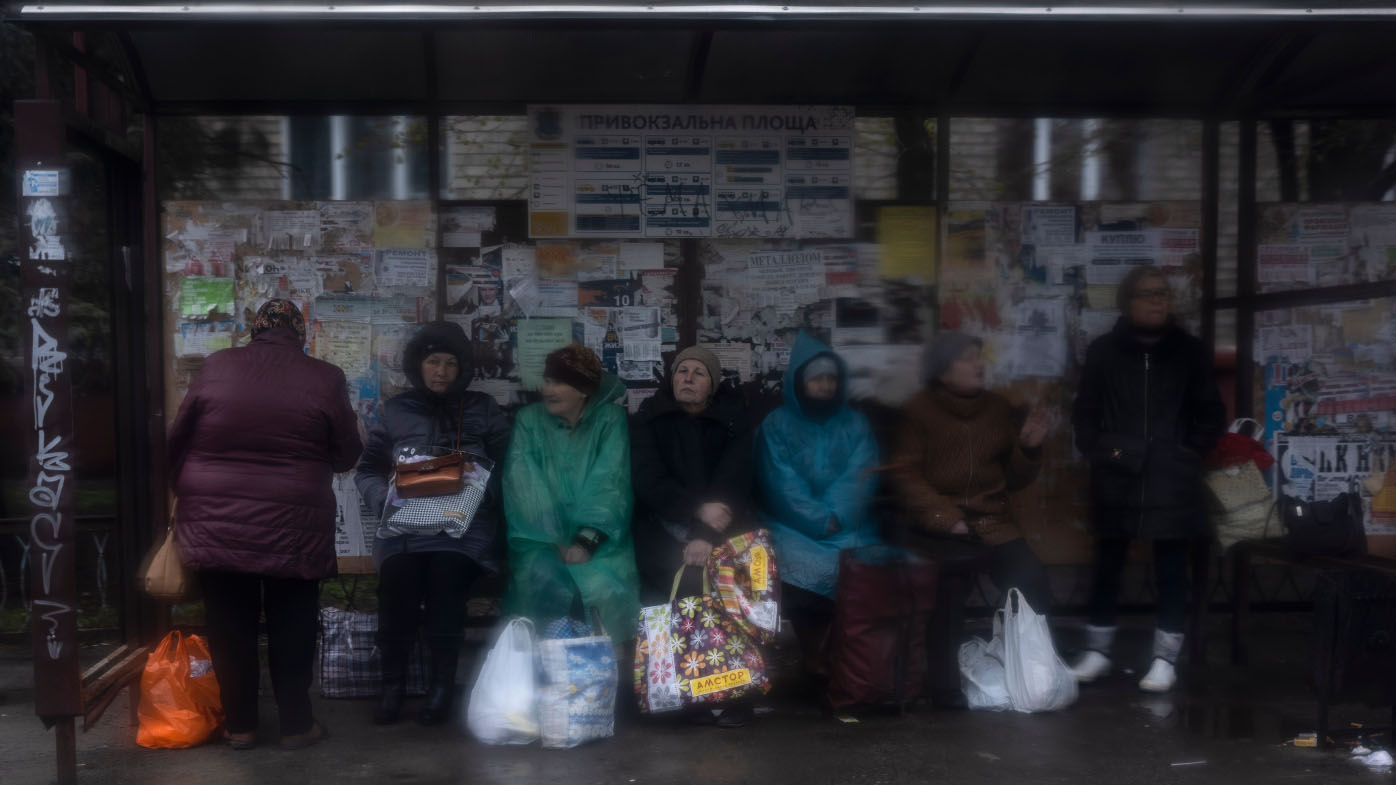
(568, 501)
(815, 460)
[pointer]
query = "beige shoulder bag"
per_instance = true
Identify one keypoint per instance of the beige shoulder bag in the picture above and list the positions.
(163, 576)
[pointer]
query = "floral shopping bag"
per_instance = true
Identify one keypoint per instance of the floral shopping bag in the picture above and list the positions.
(689, 652)
(744, 573)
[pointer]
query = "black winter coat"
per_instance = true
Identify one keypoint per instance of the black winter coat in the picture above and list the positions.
(1144, 418)
(680, 461)
(420, 418)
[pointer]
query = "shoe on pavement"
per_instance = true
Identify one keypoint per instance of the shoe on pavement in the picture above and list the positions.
(1160, 678)
(1090, 666)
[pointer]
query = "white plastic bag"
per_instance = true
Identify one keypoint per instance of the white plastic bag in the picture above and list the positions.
(1038, 680)
(981, 672)
(504, 702)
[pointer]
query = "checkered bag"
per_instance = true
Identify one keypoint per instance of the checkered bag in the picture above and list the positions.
(349, 657)
(450, 515)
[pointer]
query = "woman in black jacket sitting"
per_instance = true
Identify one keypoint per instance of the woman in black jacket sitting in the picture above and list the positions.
(692, 468)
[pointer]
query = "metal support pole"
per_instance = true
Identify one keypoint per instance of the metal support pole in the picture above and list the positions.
(1245, 271)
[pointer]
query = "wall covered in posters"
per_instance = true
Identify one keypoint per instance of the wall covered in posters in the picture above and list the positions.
(366, 276)
(1034, 280)
(1327, 373)
(690, 171)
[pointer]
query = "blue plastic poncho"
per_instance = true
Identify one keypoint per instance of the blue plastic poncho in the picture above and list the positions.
(558, 481)
(810, 468)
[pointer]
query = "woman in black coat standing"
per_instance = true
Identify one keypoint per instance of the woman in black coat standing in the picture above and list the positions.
(1147, 412)
(692, 467)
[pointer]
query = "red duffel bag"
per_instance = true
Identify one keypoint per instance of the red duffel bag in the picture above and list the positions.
(877, 647)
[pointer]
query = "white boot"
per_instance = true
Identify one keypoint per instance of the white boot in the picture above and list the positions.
(1162, 673)
(1095, 663)
(1160, 678)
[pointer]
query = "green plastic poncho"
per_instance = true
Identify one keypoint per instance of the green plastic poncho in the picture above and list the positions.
(558, 481)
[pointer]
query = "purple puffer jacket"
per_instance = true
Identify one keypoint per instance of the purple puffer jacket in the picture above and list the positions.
(252, 454)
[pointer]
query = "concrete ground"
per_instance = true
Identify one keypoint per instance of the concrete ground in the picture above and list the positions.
(1228, 725)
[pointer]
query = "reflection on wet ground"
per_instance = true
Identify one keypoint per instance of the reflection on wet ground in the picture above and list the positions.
(1227, 724)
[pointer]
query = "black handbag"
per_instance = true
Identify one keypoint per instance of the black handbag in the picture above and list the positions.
(1326, 528)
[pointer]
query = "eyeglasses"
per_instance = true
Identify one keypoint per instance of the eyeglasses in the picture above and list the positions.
(1152, 294)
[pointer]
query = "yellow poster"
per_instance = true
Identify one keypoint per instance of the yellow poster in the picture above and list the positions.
(907, 240)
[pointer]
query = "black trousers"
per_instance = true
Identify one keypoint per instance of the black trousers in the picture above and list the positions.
(233, 604)
(1012, 565)
(439, 580)
(1170, 574)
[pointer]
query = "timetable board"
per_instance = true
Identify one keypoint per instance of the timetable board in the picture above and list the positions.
(671, 172)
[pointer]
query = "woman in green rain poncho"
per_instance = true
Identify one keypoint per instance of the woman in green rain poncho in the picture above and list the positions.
(567, 498)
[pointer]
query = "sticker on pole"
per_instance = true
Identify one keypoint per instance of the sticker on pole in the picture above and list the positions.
(44, 182)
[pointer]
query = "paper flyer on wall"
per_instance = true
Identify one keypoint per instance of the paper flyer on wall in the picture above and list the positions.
(641, 256)
(346, 226)
(1049, 225)
(290, 230)
(404, 225)
(537, 338)
(785, 279)
(205, 338)
(735, 358)
(407, 267)
(906, 236)
(201, 297)
(346, 273)
(1040, 346)
(463, 226)
(346, 344)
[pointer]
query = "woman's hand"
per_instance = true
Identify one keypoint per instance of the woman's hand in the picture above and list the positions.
(716, 516)
(696, 553)
(576, 554)
(960, 527)
(1035, 429)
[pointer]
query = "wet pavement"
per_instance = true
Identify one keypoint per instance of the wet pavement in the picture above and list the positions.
(1228, 725)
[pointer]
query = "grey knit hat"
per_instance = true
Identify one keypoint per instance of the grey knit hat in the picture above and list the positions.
(943, 351)
(707, 358)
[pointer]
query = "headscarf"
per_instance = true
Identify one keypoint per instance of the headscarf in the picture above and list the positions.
(279, 313)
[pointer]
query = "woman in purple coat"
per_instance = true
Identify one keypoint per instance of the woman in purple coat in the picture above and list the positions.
(252, 454)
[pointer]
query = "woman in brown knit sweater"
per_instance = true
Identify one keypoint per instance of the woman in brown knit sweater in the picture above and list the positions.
(961, 450)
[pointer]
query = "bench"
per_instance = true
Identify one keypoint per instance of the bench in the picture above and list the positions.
(1243, 555)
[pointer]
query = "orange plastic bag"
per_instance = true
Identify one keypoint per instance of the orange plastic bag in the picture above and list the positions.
(180, 704)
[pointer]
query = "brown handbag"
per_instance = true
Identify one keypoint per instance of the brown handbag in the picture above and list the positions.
(440, 476)
(163, 576)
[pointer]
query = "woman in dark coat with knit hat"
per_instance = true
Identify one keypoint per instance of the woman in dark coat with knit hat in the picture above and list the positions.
(692, 466)
(252, 453)
(437, 414)
(960, 452)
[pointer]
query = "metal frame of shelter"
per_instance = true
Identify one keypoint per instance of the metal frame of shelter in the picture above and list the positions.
(1287, 31)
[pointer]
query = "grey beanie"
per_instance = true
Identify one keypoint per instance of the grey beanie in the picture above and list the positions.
(707, 358)
(943, 351)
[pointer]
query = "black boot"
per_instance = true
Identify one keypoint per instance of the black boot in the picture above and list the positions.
(437, 707)
(394, 684)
